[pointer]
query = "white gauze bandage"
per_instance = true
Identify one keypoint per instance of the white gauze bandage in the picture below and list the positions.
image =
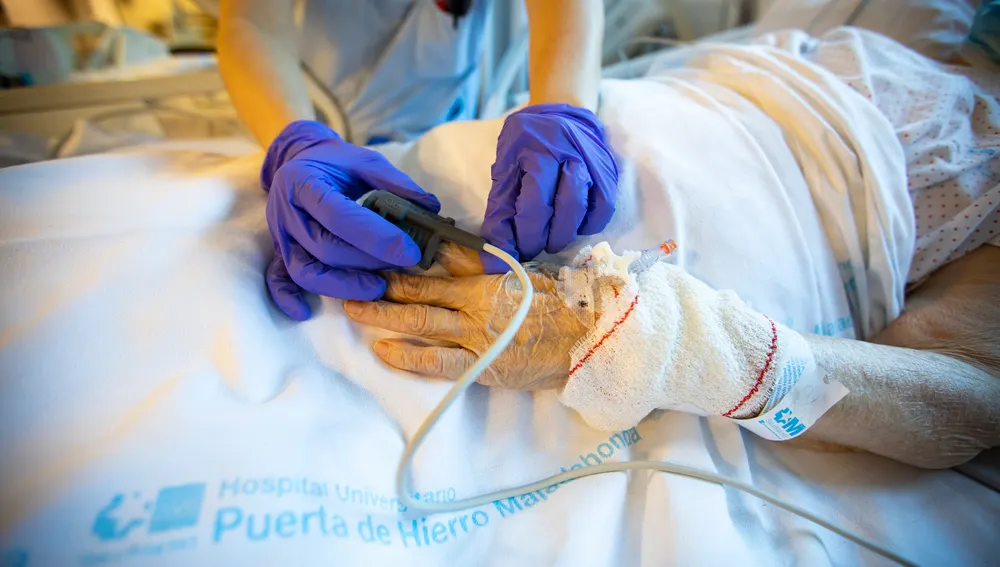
(661, 339)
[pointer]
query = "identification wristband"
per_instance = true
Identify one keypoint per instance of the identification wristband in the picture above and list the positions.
(811, 395)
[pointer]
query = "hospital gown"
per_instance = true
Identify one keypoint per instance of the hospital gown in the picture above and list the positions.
(947, 118)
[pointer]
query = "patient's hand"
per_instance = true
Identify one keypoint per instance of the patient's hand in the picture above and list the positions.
(471, 312)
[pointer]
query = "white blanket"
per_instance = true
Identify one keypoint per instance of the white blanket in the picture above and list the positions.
(157, 409)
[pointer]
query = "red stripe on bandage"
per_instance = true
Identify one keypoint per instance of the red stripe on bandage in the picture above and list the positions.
(763, 371)
(594, 348)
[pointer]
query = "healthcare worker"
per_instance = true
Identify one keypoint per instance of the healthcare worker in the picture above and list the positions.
(397, 68)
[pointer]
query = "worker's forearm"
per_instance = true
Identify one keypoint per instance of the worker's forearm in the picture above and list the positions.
(260, 66)
(918, 407)
(564, 59)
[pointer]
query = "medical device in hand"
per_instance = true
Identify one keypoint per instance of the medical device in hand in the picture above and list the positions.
(428, 230)
(424, 227)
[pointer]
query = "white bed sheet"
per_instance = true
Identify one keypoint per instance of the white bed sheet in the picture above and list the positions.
(145, 376)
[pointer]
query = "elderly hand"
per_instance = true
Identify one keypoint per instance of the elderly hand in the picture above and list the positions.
(554, 178)
(324, 241)
(470, 313)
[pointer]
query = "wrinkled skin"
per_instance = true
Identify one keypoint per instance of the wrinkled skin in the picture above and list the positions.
(470, 313)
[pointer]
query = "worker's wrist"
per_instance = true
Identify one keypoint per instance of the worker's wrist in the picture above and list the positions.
(562, 96)
(561, 111)
(571, 100)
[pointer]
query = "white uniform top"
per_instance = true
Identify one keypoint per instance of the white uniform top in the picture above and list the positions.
(394, 67)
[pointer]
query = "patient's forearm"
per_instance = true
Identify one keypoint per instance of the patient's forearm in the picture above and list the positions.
(918, 407)
(564, 60)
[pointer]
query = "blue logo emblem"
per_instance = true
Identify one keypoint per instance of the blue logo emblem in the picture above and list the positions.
(176, 507)
(118, 518)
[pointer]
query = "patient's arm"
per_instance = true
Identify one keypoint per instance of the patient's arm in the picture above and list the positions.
(564, 61)
(929, 394)
(918, 407)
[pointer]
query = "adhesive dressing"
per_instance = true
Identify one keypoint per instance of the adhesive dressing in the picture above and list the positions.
(800, 396)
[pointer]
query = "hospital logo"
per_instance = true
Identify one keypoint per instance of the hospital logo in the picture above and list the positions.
(175, 507)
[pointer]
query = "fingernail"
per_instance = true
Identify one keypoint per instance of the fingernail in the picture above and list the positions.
(381, 349)
(352, 307)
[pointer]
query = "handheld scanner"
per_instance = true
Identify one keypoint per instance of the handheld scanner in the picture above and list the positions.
(424, 227)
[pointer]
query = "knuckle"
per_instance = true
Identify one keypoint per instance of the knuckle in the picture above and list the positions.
(431, 362)
(493, 377)
(542, 280)
(415, 318)
(283, 177)
(374, 158)
(289, 178)
(413, 287)
(408, 287)
(378, 313)
(510, 284)
(301, 277)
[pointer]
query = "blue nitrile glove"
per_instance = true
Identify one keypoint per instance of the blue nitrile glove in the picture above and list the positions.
(554, 178)
(324, 241)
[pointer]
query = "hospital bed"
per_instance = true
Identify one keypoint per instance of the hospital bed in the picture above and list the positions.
(157, 410)
(51, 110)
(118, 105)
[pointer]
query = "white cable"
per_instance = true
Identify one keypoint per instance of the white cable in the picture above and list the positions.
(405, 462)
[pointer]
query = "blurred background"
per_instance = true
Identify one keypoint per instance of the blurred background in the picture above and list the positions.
(86, 76)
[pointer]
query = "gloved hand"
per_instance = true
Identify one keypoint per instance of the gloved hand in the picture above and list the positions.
(554, 178)
(324, 241)
(471, 312)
